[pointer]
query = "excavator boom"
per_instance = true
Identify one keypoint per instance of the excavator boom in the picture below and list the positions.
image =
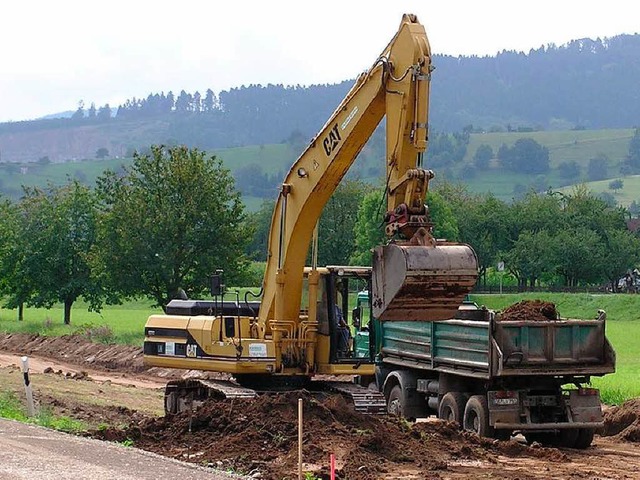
(432, 285)
(297, 329)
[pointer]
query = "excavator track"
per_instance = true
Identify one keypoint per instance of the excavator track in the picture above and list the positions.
(184, 395)
(364, 400)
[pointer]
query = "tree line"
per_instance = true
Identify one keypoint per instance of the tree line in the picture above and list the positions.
(154, 229)
(584, 84)
(161, 226)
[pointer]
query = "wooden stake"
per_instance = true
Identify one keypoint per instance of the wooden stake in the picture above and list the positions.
(299, 439)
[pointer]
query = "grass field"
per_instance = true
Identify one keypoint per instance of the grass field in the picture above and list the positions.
(125, 322)
(563, 145)
(126, 325)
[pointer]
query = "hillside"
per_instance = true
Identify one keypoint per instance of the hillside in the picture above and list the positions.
(259, 169)
(586, 83)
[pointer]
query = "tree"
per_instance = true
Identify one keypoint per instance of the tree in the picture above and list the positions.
(169, 222)
(622, 252)
(616, 185)
(79, 113)
(101, 153)
(633, 157)
(15, 286)
(104, 113)
(483, 156)
(577, 255)
(59, 233)
(368, 230)
(569, 170)
(526, 156)
(597, 168)
(483, 222)
(528, 259)
(335, 235)
(260, 221)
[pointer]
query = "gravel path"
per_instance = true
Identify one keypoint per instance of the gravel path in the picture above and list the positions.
(28, 452)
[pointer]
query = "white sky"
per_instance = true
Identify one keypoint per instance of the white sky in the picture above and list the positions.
(55, 53)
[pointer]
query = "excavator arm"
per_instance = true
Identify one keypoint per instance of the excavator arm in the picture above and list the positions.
(397, 85)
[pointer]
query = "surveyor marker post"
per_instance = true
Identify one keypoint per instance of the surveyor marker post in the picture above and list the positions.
(31, 411)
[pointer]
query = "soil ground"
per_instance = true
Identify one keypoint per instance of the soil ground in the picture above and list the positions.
(109, 388)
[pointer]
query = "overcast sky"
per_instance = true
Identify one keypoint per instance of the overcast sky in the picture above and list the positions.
(55, 53)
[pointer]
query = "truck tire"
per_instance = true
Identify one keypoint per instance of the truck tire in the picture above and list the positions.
(395, 402)
(584, 438)
(476, 416)
(451, 407)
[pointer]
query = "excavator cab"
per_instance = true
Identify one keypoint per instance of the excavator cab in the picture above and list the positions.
(341, 316)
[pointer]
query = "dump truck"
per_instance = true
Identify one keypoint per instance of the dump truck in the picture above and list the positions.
(494, 375)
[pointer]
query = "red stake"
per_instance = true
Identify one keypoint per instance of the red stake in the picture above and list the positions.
(333, 467)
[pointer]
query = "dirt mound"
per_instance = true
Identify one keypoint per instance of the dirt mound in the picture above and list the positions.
(260, 435)
(76, 349)
(79, 350)
(530, 310)
(623, 421)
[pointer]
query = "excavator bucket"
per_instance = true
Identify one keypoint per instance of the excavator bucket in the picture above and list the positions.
(421, 283)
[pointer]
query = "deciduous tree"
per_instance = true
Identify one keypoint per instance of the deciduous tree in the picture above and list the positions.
(169, 222)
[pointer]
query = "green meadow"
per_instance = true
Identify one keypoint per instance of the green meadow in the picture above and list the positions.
(564, 146)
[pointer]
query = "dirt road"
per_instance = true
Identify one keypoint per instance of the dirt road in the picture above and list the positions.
(120, 400)
(28, 452)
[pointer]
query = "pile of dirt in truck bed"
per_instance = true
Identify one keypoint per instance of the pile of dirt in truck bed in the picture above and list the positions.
(260, 436)
(530, 310)
(623, 421)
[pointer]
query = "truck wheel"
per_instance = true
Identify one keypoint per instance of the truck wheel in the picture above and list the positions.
(395, 402)
(451, 407)
(476, 416)
(567, 438)
(584, 438)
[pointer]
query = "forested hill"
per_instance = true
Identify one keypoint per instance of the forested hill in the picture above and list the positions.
(584, 84)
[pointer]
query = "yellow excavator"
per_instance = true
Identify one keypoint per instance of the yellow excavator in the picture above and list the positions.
(292, 335)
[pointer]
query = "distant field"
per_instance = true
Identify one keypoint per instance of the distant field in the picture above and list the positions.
(578, 145)
(565, 145)
(627, 194)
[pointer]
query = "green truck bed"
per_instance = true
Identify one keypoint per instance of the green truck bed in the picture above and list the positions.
(476, 344)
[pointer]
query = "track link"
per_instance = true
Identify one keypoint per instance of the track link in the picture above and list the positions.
(185, 395)
(364, 399)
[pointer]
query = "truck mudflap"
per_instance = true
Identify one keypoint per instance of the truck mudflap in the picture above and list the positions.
(421, 283)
